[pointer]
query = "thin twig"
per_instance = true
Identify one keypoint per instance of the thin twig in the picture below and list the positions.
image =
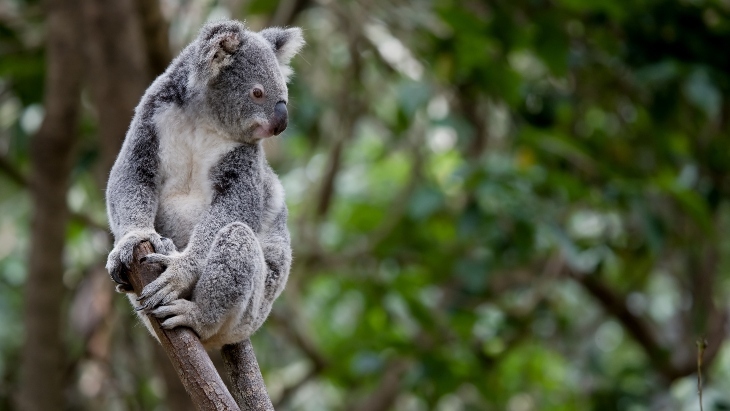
(701, 345)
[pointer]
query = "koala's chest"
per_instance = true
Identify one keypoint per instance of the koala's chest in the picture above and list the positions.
(187, 153)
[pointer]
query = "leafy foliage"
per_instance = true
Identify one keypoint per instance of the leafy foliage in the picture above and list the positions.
(494, 205)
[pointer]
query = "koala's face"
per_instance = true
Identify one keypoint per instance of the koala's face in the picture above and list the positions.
(246, 91)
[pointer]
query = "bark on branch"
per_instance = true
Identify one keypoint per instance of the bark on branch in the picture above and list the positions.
(189, 358)
(248, 383)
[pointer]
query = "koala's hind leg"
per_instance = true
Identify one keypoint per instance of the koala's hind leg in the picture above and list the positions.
(226, 299)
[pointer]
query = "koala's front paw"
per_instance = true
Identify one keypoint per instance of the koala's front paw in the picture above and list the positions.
(177, 280)
(183, 313)
(122, 254)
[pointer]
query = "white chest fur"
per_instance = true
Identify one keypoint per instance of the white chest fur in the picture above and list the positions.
(188, 150)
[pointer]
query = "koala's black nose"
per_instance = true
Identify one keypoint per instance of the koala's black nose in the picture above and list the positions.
(281, 118)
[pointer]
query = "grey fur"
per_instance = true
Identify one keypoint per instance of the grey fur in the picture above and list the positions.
(192, 176)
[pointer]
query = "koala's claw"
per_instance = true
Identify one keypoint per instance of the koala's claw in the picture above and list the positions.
(177, 307)
(165, 260)
(124, 289)
(177, 280)
(180, 313)
(161, 297)
(114, 266)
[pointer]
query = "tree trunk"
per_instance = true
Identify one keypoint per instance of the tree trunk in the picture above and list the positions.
(156, 35)
(119, 71)
(52, 148)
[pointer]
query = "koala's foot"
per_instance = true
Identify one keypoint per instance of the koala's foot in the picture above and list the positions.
(184, 313)
(121, 256)
(176, 281)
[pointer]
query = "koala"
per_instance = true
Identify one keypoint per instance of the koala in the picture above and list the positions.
(192, 178)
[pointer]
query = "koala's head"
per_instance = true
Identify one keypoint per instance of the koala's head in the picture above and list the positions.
(243, 74)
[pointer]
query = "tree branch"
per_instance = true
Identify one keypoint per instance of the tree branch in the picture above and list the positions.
(193, 366)
(386, 393)
(350, 104)
(245, 374)
(305, 344)
(287, 323)
(290, 390)
(12, 172)
(326, 191)
(638, 327)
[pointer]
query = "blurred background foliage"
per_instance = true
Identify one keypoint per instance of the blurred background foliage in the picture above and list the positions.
(495, 205)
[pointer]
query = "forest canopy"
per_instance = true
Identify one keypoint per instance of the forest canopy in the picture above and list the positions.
(494, 205)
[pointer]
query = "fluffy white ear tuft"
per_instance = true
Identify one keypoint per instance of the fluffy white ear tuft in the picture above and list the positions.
(218, 41)
(286, 44)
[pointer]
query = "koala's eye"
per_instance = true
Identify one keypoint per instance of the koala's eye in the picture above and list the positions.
(257, 92)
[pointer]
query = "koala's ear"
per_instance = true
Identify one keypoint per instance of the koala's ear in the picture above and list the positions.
(286, 44)
(218, 41)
